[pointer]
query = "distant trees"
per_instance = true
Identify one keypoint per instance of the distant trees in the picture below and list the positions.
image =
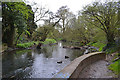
(41, 33)
(65, 15)
(62, 13)
(97, 21)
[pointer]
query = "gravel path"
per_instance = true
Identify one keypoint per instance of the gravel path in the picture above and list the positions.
(97, 70)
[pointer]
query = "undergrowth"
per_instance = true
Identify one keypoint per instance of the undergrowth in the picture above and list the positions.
(97, 44)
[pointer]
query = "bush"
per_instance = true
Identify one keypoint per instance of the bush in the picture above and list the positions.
(113, 48)
(97, 44)
(59, 39)
(49, 41)
(29, 44)
(26, 45)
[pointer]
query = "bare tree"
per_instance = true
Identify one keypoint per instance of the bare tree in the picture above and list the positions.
(65, 15)
(40, 13)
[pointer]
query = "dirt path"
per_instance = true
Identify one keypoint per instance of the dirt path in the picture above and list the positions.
(97, 70)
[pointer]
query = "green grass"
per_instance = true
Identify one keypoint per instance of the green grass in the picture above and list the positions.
(29, 44)
(115, 67)
(97, 44)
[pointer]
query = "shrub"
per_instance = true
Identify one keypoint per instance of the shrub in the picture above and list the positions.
(29, 44)
(97, 44)
(26, 45)
(112, 49)
(49, 41)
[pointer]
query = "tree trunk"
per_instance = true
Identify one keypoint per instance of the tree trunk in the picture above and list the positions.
(110, 39)
(17, 39)
(10, 36)
(63, 26)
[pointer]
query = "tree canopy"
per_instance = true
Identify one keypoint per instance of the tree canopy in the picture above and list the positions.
(103, 16)
(15, 15)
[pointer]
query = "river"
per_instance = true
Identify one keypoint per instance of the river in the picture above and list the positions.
(37, 63)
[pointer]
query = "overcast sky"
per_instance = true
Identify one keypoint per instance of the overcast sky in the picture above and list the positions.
(54, 5)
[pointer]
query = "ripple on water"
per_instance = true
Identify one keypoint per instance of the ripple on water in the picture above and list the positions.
(38, 63)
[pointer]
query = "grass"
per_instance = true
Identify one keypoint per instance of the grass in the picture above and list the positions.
(29, 44)
(97, 44)
(115, 67)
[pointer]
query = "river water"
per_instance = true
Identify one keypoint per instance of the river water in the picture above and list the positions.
(37, 63)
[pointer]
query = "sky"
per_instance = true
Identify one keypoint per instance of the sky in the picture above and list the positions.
(54, 5)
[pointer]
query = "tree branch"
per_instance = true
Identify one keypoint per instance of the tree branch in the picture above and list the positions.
(56, 22)
(100, 23)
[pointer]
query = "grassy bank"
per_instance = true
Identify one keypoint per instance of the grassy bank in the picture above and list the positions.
(115, 67)
(30, 44)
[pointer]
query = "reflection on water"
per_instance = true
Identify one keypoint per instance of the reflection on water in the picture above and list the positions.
(37, 63)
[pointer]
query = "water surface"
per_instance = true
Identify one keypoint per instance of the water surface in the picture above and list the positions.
(37, 63)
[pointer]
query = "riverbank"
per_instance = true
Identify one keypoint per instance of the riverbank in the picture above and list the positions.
(28, 45)
(114, 62)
